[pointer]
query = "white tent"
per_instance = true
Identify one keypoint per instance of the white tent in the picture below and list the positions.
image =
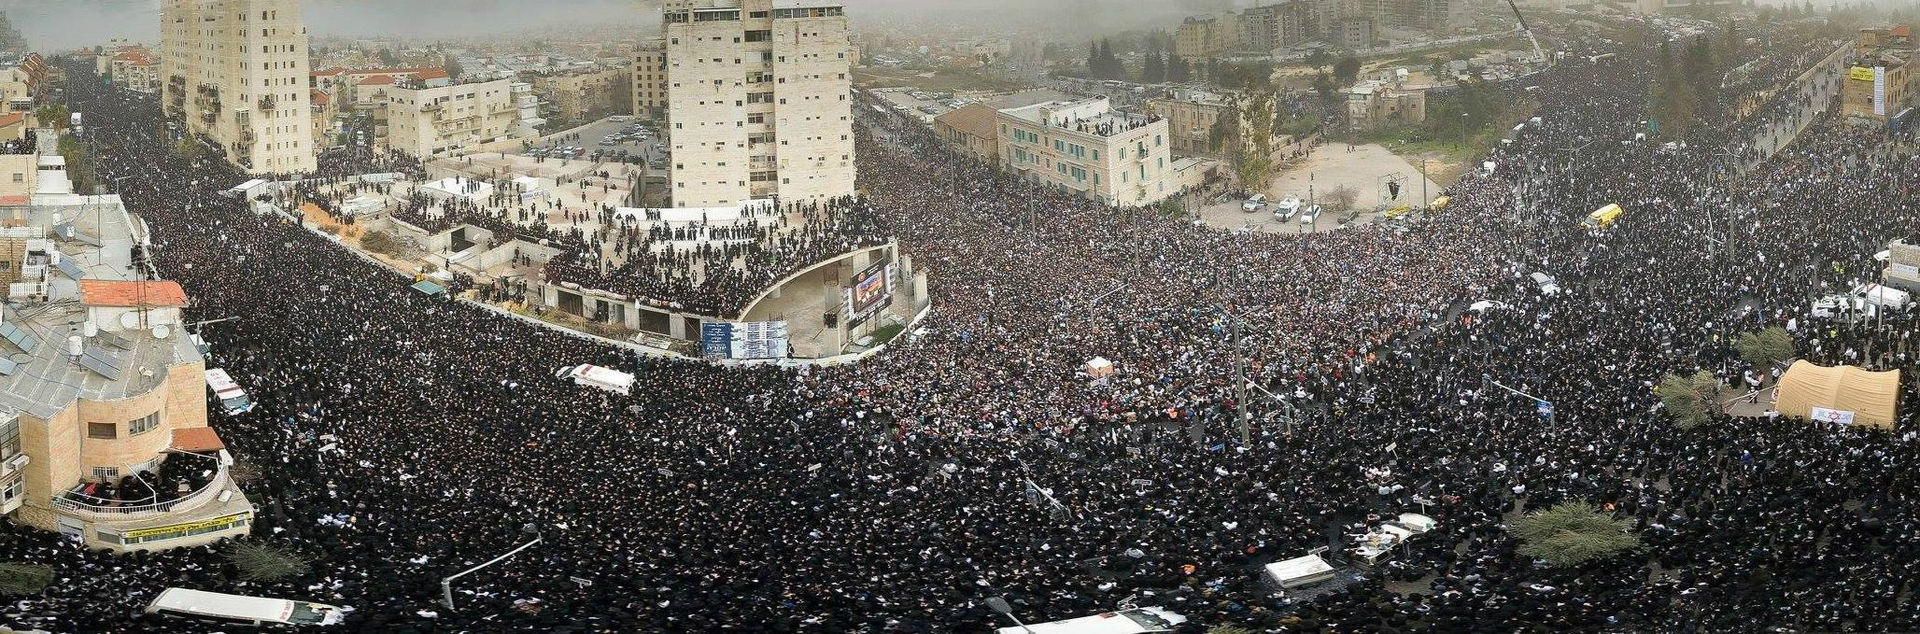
(1099, 367)
(1299, 571)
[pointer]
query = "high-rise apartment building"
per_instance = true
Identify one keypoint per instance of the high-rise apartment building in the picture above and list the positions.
(236, 72)
(758, 97)
(1201, 37)
(650, 79)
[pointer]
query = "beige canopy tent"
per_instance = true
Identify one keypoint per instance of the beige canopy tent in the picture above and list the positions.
(1845, 395)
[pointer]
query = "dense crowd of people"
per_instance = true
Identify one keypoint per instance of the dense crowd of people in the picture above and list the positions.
(898, 494)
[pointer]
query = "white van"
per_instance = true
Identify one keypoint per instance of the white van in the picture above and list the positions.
(233, 609)
(607, 379)
(1286, 208)
(232, 399)
(1882, 296)
(1127, 621)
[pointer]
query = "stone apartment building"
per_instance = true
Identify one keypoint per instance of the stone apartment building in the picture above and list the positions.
(583, 95)
(1274, 26)
(430, 122)
(22, 82)
(650, 79)
(1201, 37)
(137, 69)
(759, 100)
(1878, 83)
(1089, 148)
(236, 72)
(1374, 103)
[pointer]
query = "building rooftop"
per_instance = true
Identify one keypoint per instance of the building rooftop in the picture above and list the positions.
(975, 118)
(79, 258)
(1094, 116)
(132, 293)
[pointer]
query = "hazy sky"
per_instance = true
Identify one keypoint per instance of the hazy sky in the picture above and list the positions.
(69, 24)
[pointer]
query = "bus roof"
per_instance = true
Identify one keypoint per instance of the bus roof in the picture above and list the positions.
(219, 604)
(219, 381)
(1130, 621)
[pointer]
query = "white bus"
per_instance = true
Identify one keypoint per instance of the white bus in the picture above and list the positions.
(607, 379)
(1125, 621)
(233, 609)
(233, 399)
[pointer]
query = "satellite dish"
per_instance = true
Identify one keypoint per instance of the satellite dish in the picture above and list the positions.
(129, 321)
(161, 332)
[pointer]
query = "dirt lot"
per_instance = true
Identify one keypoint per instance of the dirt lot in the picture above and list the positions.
(1330, 167)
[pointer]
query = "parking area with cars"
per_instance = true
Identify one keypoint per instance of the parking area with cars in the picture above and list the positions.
(612, 139)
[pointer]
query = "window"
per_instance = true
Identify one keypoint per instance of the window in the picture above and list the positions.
(106, 473)
(19, 177)
(759, 36)
(143, 424)
(106, 431)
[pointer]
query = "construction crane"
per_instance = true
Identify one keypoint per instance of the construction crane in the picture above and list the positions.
(1537, 51)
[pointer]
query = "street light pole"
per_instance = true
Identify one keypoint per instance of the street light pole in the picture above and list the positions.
(446, 584)
(1551, 410)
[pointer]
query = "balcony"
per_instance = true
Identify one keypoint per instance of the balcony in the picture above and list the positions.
(266, 103)
(148, 502)
(433, 107)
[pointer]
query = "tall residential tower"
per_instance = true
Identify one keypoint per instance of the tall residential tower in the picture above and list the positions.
(759, 100)
(236, 72)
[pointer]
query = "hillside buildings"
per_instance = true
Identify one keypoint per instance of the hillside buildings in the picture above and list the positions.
(758, 100)
(236, 72)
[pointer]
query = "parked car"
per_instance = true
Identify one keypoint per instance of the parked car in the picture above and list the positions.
(1546, 283)
(1255, 203)
(1310, 215)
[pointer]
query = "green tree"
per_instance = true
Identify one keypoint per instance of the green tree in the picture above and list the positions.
(1346, 70)
(18, 579)
(1691, 399)
(387, 58)
(1154, 71)
(454, 69)
(1178, 71)
(258, 561)
(1766, 347)
(1319, 59)
(1572, 533)
(1252, 146)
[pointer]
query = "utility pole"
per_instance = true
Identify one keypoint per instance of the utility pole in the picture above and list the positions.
(1546, 404)
(446, 585)
(1424, 200)
(1240, 384)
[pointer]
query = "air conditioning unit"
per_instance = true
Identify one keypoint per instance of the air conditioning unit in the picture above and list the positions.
(17, 462)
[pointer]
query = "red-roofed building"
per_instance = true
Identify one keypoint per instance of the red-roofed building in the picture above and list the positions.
(135, 68)
(13, 126)
(132, 294)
